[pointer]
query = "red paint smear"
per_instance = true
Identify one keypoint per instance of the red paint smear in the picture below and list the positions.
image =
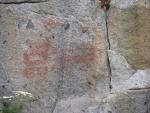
(41, 61)
(80, 59)
(33, 71)
(40, 50)
(42, 71)
(86, 58)
(52, 23)
(65, 60)
(29, 73)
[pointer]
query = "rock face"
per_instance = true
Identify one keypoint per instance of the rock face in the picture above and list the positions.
(128, 31)
(5, 88)
(76, 58)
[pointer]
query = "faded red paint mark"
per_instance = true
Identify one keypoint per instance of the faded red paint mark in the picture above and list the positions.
(38, 53)
(37, 56)
(86, 58)
(52, 23)
(43, 55)
(82, 59)
(35, 71)
(29, 72)
(65, 60)
(42, 71)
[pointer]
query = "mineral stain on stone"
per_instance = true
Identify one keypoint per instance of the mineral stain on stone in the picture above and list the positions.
(30, 24)
(133, 36)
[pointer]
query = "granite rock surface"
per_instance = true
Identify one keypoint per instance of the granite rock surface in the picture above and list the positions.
(76, 57)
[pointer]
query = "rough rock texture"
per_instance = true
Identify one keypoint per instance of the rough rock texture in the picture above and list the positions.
(5, 88)
(129, 102)
(129, 28)
(129, 55)
(74, 58)
(56, 50)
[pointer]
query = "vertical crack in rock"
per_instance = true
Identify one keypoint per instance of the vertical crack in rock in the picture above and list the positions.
(108, 48)
(107, 36)
(55, 104)
(147, 111)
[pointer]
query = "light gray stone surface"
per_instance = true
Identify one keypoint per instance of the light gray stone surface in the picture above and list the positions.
(133, 101)
(5, 86)
(124, 77)
(128, 33)
(58, 50)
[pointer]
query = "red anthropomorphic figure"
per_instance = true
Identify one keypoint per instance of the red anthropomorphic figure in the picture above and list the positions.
(36, 58)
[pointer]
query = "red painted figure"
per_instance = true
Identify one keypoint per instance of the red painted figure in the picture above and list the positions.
(82, 59)
(36, 58)
(52, 23)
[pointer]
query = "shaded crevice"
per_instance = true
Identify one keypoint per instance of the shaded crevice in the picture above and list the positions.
(110, 74)
(147, 88)
(108, 48)
(147, 107)
(55, 104)
(23, 2)
(107, 35)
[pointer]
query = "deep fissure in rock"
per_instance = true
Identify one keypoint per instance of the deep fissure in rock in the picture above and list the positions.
(108, 48)
(22, 2)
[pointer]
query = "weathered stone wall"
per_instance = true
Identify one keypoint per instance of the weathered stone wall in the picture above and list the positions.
(75, 57)
(129, 55)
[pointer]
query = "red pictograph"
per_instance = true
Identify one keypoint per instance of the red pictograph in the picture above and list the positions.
(81, 59)
(36, 58)
(39, 54)
(53, 23)
(31, 72)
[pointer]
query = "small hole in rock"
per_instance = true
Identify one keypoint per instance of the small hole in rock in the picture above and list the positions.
(3, 86)
(4, 41)
(67, 26)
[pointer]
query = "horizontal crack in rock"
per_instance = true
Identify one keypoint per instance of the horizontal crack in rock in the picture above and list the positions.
(22, 2)
(148, 88)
